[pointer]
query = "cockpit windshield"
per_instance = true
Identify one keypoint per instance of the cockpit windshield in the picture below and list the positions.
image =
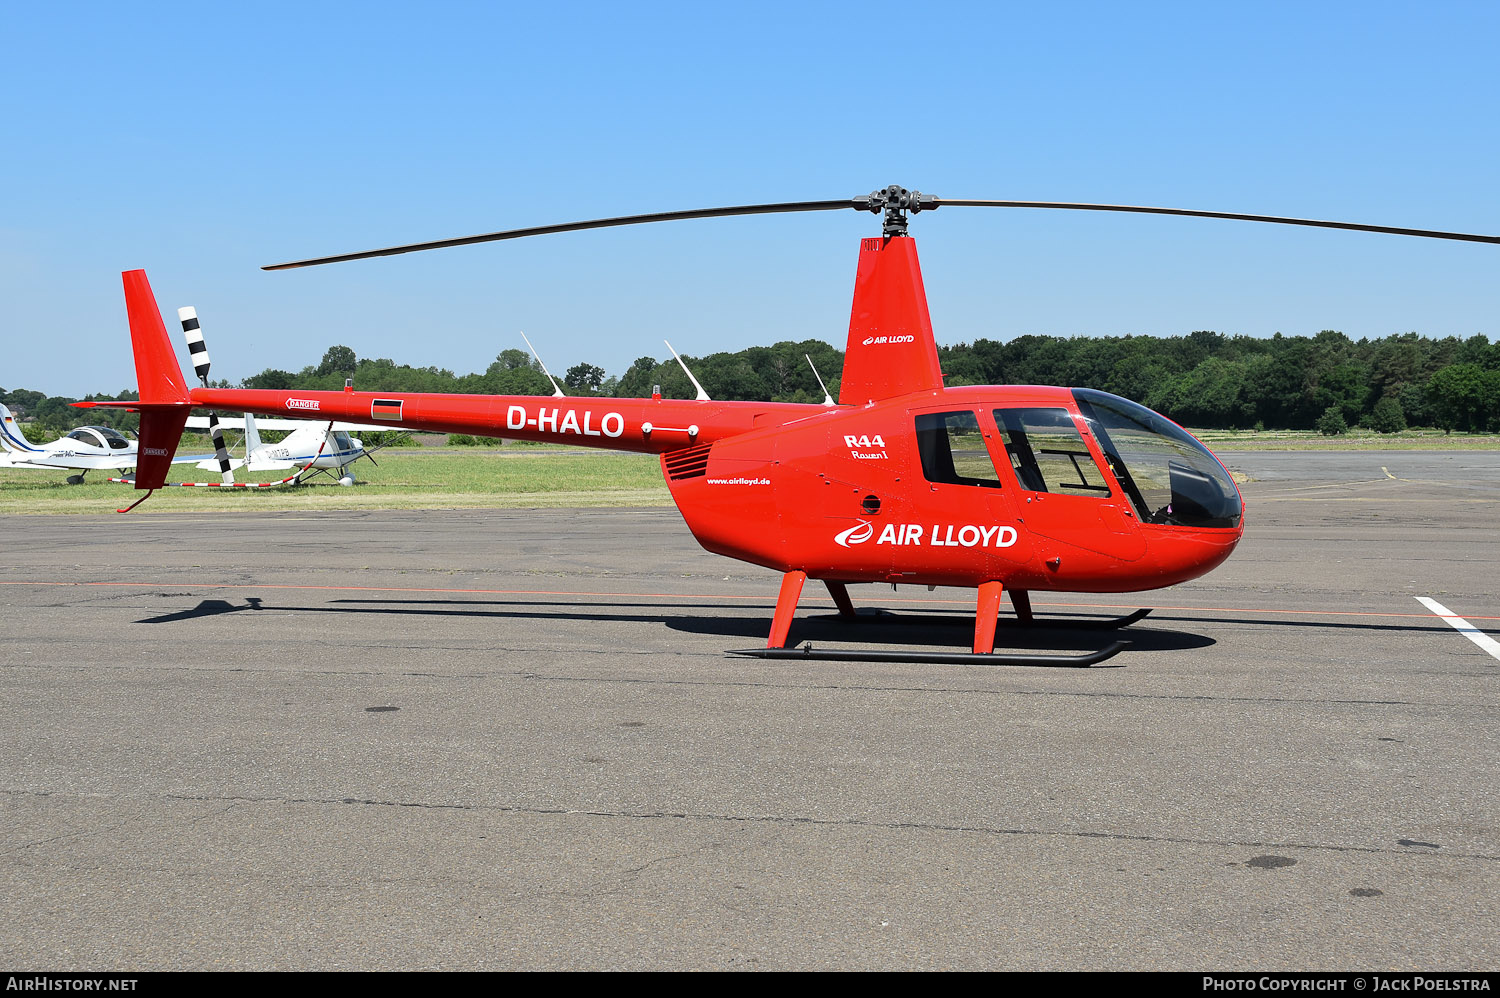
(1170, 477)
(115, 439)
(99, 436)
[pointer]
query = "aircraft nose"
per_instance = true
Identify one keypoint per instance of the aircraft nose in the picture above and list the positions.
(1186, 554)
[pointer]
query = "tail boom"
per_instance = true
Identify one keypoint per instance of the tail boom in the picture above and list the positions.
(649, 426)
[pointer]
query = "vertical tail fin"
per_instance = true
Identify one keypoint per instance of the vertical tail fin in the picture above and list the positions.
(11, 437)
(156, 372)
(252, 437)
(164, 396)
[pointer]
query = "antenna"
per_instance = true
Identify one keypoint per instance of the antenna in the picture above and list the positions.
(827, 399)
(557, 391)
(702, 395)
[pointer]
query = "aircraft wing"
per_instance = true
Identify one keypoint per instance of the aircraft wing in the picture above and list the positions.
(236, 463)
(76, 462)
(79, 462)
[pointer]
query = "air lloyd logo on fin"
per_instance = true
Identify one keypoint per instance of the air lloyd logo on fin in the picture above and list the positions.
(888, 340)
(943, 535)
(302, 404)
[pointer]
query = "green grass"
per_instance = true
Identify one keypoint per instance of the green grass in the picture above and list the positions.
(436, 478)
(1355, 439)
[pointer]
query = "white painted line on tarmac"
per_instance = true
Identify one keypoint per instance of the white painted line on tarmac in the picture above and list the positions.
(1462, 626)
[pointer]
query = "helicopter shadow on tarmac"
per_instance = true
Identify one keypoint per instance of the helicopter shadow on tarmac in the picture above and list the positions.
(909, 630)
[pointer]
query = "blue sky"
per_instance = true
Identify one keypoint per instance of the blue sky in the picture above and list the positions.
(203, 141)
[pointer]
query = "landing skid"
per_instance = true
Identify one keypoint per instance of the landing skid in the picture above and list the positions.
(1093, 623)
(808, 652)
(881, 616)
(985, 618)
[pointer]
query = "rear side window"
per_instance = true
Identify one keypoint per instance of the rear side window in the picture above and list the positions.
(953, 451)
(1048, 454)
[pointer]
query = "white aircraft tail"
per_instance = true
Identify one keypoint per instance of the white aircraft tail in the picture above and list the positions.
(252, 436)
(11, 437)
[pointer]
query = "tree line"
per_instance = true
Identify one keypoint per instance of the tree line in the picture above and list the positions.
(1204, 379)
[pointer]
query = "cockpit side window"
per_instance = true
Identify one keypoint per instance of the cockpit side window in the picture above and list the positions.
(1048, 454)
(952, 449)
(114, 438)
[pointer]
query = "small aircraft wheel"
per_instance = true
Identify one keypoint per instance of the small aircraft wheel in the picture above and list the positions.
(75, 479)
(347, 480)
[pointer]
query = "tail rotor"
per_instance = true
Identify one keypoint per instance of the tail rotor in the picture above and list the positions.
(199, 351)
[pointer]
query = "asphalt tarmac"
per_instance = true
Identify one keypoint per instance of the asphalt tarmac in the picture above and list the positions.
(512, 740)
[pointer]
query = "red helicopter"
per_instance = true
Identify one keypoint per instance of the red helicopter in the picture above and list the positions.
(996, 488)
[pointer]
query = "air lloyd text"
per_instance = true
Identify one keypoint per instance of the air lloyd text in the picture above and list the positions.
(941, 535)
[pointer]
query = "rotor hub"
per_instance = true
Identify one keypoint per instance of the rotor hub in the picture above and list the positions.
(895, 202)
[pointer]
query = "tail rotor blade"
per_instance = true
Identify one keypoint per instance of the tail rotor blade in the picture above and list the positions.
(188, 316)
(226, 474)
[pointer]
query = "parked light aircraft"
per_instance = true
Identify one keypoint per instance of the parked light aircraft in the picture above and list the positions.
(327, 447)
(84, 449)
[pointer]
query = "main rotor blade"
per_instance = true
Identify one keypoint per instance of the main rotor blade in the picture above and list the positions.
(598, 223)
(1394, 230)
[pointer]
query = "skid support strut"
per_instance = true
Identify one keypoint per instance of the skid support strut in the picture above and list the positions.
(840, 594)
(786, 605)
(1021, 600)
(985, 615)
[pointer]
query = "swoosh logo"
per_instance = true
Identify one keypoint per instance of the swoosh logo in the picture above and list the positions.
(856, 535)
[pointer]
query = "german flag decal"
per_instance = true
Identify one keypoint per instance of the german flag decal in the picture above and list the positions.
(386, 409)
